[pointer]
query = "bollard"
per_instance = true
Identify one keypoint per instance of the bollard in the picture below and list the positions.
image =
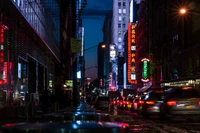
(115, 110)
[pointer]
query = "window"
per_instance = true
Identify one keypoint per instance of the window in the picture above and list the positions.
(124, 25)
(119, 4)
(120, 18)
(124, 3)
(119, 33)
(119, 39)
(124, 10)
(119, 25)
(124, 18)
(120, 11)
(119, 46)
(124, 32)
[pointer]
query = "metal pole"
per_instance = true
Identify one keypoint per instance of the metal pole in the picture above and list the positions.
(183, 33)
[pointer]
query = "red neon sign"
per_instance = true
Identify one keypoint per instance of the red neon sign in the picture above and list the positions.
(131, 54)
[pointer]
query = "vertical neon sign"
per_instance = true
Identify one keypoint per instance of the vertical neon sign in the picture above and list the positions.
(145, 65)
(131, 54)
(3, 65)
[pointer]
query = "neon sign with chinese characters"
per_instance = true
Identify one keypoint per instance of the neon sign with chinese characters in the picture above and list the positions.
(145, 66)
(131, 54)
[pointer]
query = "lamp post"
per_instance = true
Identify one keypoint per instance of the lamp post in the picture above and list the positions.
(183, 12)
(83, 67)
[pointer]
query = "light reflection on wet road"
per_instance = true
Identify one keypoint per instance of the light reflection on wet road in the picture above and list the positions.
(155, 125)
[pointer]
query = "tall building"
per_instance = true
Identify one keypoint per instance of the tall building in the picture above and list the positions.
(107, 41)
(30, 47)
(176, 43)
(121, 17)
(143, 42)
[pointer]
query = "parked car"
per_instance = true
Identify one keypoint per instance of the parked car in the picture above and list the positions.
(150, 105)
(184, 101)
(102, 102)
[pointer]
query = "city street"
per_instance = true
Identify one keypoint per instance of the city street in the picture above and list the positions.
(155, 125)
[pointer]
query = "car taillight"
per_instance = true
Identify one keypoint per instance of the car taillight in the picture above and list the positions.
(127, 102)
(150, 102)
(171, 103)
(141, 102)
(135, 104)
(199, 102)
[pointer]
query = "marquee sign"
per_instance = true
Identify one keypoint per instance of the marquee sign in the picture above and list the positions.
(131, 54)
(145, 66)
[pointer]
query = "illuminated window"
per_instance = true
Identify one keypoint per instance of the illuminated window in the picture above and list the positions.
(120, 18)
(120, 11)
(124, 10)
(119, 46)
(119, 39)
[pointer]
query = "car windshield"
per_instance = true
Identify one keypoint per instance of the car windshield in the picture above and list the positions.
(154, 95)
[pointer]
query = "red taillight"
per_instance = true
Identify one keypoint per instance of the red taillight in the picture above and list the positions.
(199, 102)
(135, 104)
(171, 103)
(141, 102)
(150, 102)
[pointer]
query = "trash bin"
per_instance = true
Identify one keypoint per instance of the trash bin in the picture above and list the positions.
(67, 127)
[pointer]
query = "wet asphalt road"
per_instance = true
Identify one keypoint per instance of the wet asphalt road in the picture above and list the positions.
(154, 124)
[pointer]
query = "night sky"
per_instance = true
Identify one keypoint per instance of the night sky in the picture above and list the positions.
(93, 18)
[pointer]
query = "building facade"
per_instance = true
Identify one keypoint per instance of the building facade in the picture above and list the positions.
(31, 59)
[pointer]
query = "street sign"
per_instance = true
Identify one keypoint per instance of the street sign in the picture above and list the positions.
(76, 45)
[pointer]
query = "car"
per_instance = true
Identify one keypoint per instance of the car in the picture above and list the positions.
(135, 104)
(140, 104)
(102, 102)
(128, 104)
(150, 105)
(181, 101)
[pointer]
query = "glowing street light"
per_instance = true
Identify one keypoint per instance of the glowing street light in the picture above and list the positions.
(183, 11)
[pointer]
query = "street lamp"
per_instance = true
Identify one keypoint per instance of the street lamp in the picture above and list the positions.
(83, 67)
(183, 11)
